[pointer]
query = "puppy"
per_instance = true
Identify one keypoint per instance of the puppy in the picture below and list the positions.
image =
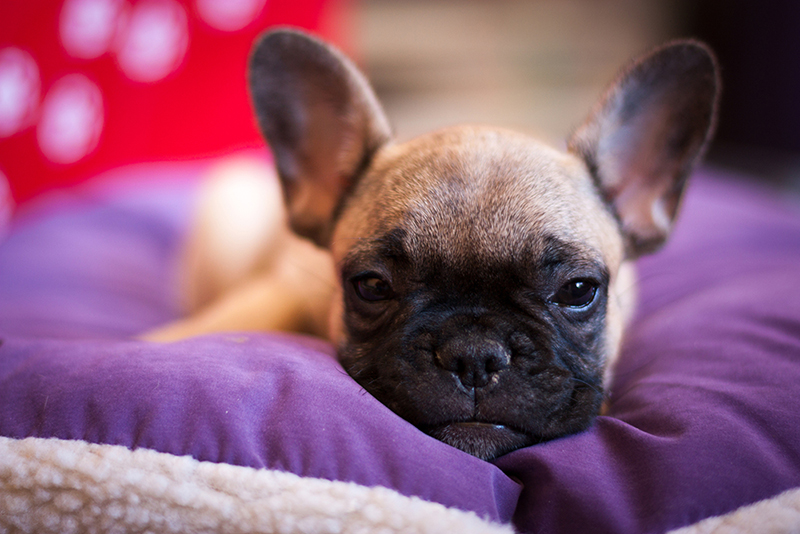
(476, 281)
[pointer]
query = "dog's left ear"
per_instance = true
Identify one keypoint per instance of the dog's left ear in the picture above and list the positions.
(644, 137)
(321, 120)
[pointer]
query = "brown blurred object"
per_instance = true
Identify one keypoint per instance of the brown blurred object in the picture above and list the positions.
(531, 65)
(538, 65)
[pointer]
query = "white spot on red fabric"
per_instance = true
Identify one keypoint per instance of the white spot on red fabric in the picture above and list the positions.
(87, 27)
(153, 43)
(71, 120)
(19, 90)
(229, 15)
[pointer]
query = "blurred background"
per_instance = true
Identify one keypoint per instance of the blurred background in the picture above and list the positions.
(539, 65)
(90, 85)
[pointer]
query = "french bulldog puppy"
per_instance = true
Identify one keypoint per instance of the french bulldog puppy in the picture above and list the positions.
(476, 281)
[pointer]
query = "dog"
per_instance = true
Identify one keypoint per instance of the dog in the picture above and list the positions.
(474, 280)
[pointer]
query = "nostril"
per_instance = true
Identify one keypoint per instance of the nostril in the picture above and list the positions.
(474, 362)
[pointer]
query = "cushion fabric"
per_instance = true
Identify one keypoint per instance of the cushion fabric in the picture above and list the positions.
(701, 416)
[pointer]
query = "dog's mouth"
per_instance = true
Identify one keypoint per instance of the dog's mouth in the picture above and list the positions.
(484, 440)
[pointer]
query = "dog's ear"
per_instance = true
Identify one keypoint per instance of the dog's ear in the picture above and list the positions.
(321, 120)
(645, 135)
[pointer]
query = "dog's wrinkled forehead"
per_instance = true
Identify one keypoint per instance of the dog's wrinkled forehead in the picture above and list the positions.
(479, 191)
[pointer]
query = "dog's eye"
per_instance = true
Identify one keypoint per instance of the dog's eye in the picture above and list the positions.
(576, 293)
(373, 288)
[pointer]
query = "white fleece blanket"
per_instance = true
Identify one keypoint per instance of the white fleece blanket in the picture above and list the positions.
(778, 515)
(59, 486)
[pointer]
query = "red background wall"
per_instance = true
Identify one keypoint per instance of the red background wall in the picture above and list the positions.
(192, 105)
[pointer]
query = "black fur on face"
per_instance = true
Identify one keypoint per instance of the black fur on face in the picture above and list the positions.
(484, 354)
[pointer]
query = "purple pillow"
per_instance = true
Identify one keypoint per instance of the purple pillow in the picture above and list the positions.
(262, 400)
(97, 260)
(702, 413)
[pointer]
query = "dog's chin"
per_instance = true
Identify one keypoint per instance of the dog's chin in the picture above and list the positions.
(484, 440)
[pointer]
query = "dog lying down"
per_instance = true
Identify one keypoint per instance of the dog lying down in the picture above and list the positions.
(474, 280)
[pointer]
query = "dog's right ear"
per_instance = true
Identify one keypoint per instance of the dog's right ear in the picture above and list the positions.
(322, 121)
(646, 134)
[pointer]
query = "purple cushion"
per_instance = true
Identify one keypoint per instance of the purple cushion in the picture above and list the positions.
(96, 260)
(702, 414)
(275, 401)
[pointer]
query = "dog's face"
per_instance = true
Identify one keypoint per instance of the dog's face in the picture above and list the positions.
(481, 291)
(475, 267)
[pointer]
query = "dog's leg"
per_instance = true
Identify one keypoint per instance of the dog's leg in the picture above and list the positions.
(242, 268)
(237, 227)
(293, 295)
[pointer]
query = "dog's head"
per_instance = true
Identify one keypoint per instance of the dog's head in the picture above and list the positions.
(481, 271)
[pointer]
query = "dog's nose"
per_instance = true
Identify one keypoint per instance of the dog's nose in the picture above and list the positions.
(473, 360)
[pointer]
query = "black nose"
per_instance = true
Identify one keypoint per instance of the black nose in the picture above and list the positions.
(473, 359)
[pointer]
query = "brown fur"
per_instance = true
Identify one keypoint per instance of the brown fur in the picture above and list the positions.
(478, 281)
